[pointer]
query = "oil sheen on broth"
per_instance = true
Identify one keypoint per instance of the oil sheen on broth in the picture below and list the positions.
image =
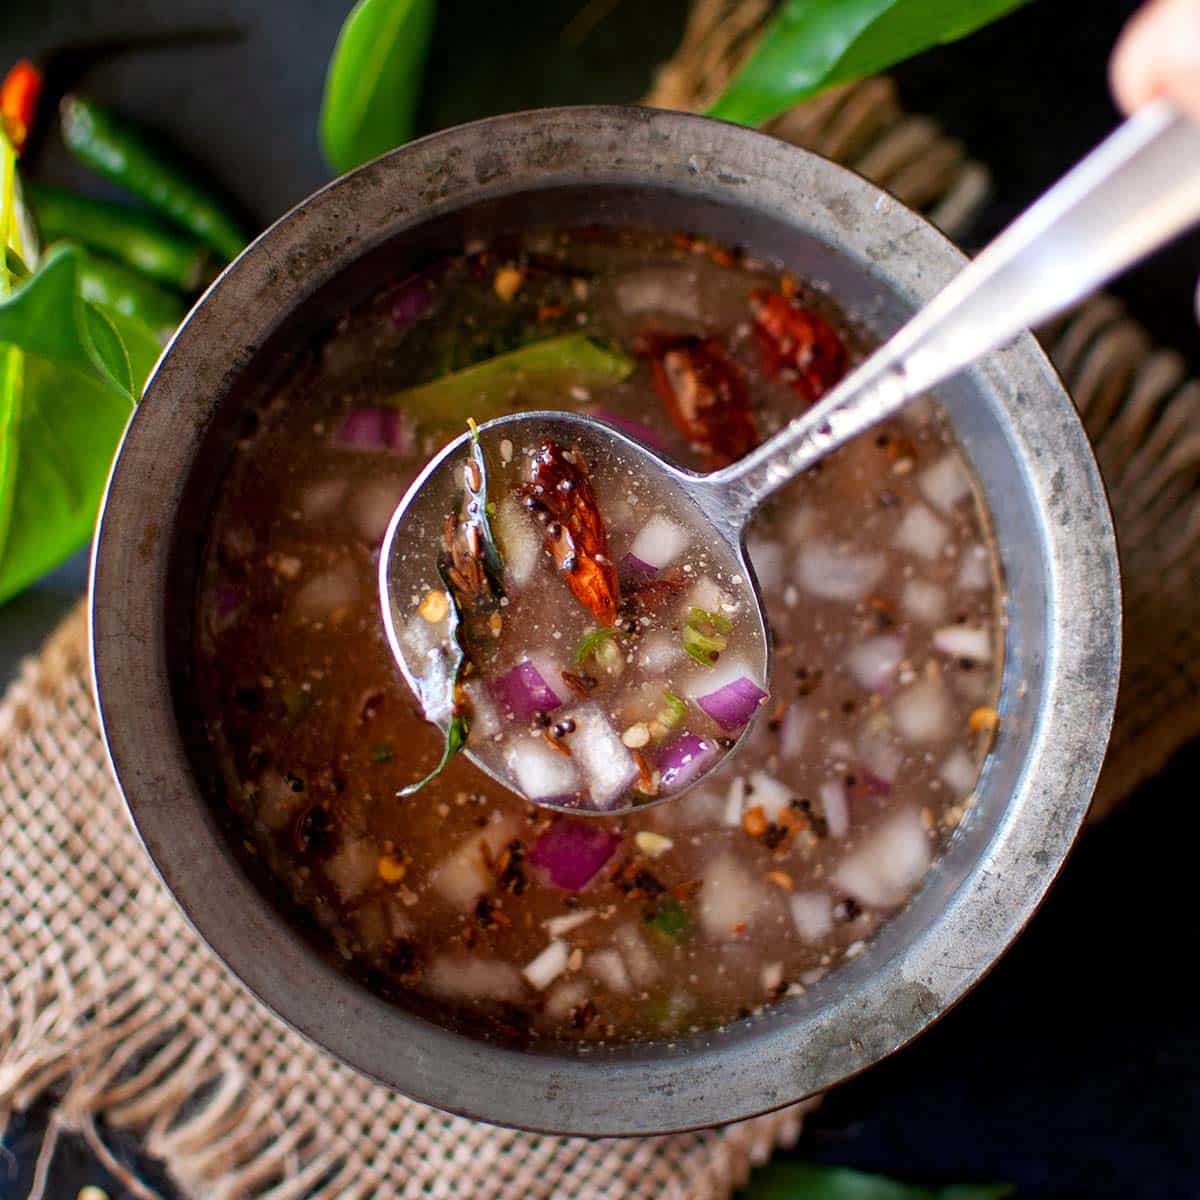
(880, 586)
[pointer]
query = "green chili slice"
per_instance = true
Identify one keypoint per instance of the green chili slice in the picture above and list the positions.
(705, 635)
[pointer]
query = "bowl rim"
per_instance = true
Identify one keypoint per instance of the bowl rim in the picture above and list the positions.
(641, 1090)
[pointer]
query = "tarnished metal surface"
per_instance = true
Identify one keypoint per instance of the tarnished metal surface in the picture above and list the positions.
(642, 167)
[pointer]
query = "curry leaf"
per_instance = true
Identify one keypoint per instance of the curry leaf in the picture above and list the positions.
(802, 1181)
(811, 45)
(374, 79)
(140, 342)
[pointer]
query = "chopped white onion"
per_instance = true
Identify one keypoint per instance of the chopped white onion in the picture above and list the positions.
(323, 497)
(326, 593)
(712, 679)
(921, 533)
(372, 505)
(730, 898)
(548, 965)
(946, 482)
(668, 291)
(519, 540)
(608, 967)
(466, 977)
(658, 652)
(463, 876)
(770, 794)
(568, 995)
(812, 913)
(772, 976)
(557, 927)
(922, 711)
(485, 721)
(964, 641)
(275, 804)
(873, 663)
(607, 765)
(923, 601)
(881, 756)
(660, 542)
(800, 524)
(794, 732)
(698, 808)
(351, 869)
(767, 559)
(832, 575)
(888, 863)
(959, 772)
(636, 955)
(540, 773)
(976, 571)
(835, 807)
(708, 596)
(735, 801)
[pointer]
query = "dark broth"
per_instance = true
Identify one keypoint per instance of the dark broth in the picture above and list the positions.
(882, 594)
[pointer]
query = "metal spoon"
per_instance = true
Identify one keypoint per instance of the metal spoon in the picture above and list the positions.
(1134, 192)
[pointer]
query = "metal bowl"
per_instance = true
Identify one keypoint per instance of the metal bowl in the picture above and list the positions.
(639, 167)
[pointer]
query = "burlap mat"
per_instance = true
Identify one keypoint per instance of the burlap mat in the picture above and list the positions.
(109, 1001)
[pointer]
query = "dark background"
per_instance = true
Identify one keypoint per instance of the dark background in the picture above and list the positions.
(1073, 1069)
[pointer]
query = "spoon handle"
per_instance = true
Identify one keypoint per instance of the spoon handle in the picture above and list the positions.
(1134, 192)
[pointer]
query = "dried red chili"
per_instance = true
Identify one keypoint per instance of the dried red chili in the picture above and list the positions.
(18, 101)
(797, 345)
(560, 494)
(705, 394)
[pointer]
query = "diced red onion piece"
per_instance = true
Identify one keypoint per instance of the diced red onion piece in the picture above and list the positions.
(874, 662)
(964, 641)
(227, 603)
(572, 852)
(685, 760)
(733, 705)
(410, 301)
(631, 428)
(633, 570)
(376, 429)
(660, 541)
(524, 691)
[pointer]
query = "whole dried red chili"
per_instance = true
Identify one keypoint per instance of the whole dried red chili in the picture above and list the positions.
(560, 494)
(18, 101)
(797, 345)
(705, 394)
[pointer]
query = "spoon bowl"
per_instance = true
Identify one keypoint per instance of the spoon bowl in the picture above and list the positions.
(408, 569)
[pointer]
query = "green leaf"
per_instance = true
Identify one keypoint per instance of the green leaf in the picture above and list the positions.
(802, 1181)
(12, 374)
(670, 920)
(811, 45)
(374, 80)
(140, 342)
(45, 315)
(488, 389)
(59, 431)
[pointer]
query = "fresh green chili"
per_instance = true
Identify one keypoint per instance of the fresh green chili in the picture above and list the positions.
(704, 635)
(673, 712)
(134, 237)
(120, 152)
